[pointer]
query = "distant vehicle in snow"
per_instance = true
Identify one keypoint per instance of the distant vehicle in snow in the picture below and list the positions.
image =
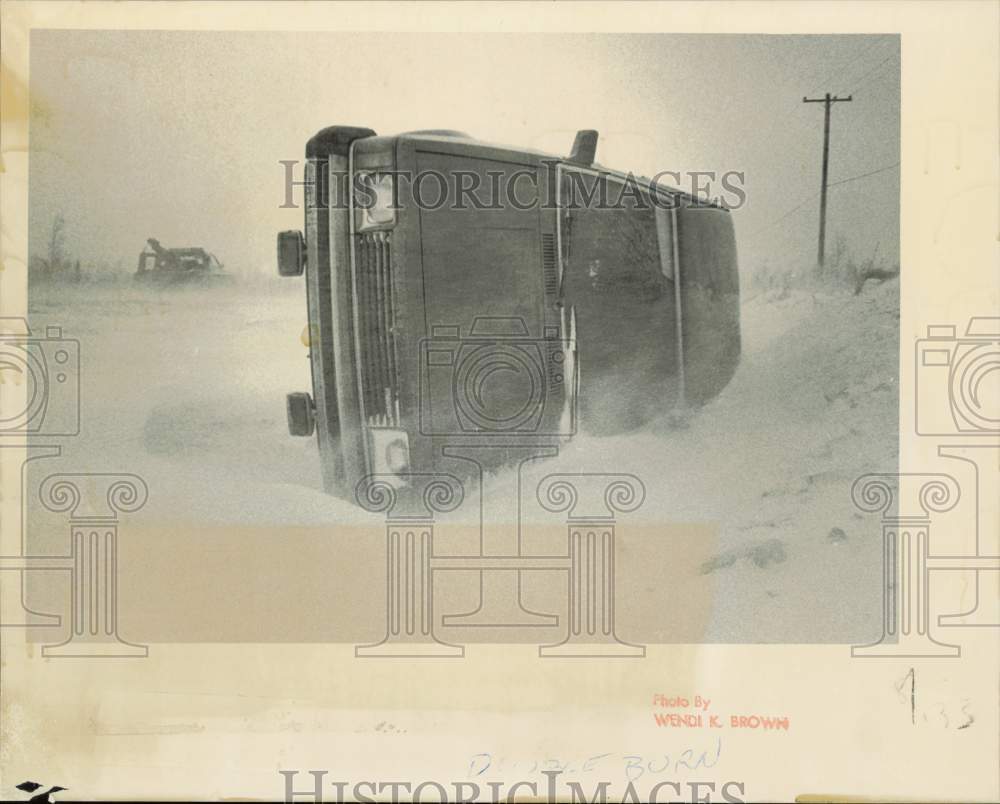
(178, 265)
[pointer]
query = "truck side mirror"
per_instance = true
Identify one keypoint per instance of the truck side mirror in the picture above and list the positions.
(301, 413)
(291, 253)
(584, 148)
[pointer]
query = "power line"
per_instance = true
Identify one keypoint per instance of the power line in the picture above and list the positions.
(872, 70)
(861, 52)
(863, 175)
(775, 123)
(775, 222)
(806, 200)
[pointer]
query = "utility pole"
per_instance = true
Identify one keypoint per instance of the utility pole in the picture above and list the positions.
(826, 101)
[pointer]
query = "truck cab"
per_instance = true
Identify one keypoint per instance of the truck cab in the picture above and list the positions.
(461, 293)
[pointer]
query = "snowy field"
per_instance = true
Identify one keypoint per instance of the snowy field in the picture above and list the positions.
(186, 388)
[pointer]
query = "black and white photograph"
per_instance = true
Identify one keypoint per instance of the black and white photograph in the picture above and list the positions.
(400, 410)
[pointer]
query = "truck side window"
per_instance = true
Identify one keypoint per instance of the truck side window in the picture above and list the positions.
(610, 244)
(622, 297)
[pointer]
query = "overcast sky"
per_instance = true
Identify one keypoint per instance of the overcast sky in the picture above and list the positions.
(178, 135)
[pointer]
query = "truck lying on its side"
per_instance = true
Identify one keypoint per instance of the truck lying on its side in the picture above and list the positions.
(511, 300)
(178, 265)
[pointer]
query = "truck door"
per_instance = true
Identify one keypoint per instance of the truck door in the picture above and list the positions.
(614, 281)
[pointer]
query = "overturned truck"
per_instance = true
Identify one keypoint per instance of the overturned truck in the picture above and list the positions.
(159, 265)
(462, 293)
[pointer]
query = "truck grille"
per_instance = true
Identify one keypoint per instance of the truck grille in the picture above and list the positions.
(376, 329)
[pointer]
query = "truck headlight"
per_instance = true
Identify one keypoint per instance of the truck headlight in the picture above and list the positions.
(397, 456)
(374, 200)
(390, 451)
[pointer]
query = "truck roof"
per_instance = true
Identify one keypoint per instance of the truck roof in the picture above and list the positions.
(452, 136)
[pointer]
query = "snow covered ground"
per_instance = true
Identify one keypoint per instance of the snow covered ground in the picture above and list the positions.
(186, 388)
